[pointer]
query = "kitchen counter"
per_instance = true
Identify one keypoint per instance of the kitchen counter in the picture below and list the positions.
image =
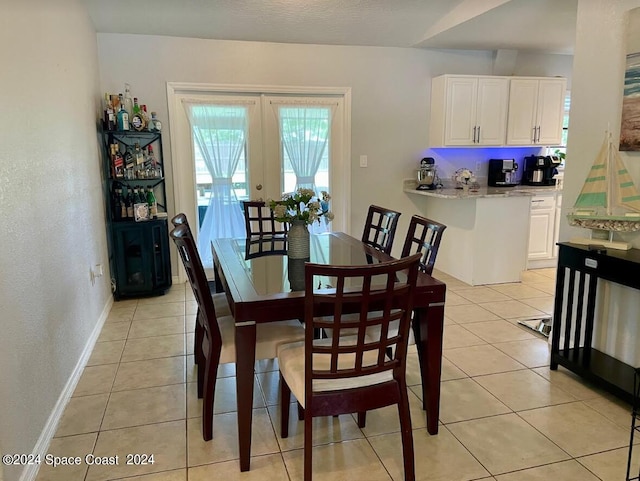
(487, 231)
(482, 192)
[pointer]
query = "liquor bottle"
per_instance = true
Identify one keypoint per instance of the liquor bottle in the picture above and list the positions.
(157, 125)
(142, 198)
(137, 154)
(153, 205)
(129, 204)
(116, 208)
(118, 161)
(128, 102)
(109, 114)
(129, 164)
(123, 117)
(123, 207)
(145, 116)
(152, 163)
(137, 120)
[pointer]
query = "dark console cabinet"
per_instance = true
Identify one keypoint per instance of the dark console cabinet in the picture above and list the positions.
(579, 270)
(141, 258)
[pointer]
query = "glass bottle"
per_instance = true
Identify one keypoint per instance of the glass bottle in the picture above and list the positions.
(153, 205)
(137, 120)
(123, 117)
(128, 102)
(129, 203)
(123, 206)
(145, 116)
(157, 125)
(109, 114)
(117, 207)
(152, 164)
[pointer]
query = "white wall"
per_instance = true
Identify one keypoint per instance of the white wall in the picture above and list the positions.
(596, 103)
(51, 209)
(390, 88)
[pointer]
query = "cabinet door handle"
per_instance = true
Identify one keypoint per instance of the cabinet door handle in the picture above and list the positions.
(474, 134)
(538, 140)
(534, 134)
(478, 134)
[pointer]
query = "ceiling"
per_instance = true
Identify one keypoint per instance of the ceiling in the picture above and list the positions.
(530, 25)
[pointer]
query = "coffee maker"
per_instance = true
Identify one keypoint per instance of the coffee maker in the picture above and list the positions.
(540, 169)
(502, 172)
(427, 178)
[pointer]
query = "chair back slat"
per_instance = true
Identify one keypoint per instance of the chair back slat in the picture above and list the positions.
(259, 220)
(423, 237)
(380, 228)
(181, 235)
(378, 294)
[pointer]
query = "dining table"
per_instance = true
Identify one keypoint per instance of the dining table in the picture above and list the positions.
(262, 285)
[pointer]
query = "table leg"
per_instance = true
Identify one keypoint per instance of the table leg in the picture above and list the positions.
(430, 323)
(245, 362)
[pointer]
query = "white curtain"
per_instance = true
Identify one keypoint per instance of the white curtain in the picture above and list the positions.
(220, 132)
(304, 131)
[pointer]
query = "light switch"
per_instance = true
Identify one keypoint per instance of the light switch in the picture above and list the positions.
(363, 161)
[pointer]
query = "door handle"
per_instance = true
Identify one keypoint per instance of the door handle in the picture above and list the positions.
(534, 134)
(474, 134)
(258, 186)
(478, 134)
(538, 140)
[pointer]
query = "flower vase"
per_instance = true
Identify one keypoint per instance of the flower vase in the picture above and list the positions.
(298, 240)
(295, 273)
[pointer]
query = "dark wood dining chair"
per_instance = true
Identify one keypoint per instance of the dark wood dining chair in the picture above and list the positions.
(352, 374)
(259, 220)
(218, 336)
(380, 228)
(221, 307)
(424, 236)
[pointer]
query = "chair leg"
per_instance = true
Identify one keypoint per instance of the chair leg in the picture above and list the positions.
(211, 373)
(199, 355)
(285, 401)
(406, 433)
(308, 445)
(362, 419)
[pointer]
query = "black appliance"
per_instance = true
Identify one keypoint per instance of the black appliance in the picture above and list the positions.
(502, 172)
(540, 169)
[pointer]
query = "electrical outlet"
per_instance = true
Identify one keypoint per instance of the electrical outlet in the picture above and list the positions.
(99, 271)
(363, 161)
(478, 167)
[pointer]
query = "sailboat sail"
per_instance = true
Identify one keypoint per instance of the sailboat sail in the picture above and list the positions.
(627, 193)
(594, 191)
(594, 206)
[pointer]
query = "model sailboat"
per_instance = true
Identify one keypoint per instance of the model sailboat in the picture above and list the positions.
(609, 201)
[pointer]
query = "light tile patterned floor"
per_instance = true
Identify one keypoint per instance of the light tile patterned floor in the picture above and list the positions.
(504, 415)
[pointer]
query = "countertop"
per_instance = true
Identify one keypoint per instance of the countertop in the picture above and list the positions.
(451, 193)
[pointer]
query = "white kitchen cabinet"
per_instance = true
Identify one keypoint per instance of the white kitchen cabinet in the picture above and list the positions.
(542, 231)
(468, 110)
(556, 230)
(536, 111)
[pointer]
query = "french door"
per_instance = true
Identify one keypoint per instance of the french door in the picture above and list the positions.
(229, 146)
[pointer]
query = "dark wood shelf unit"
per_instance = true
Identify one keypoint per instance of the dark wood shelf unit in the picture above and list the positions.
(138, 251)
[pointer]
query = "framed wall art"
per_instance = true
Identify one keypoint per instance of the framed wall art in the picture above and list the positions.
(630, 122)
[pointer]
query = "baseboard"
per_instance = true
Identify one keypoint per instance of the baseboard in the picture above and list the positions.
(42, 445)
(542, 263)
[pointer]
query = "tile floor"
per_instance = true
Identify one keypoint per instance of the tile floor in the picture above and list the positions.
(504, 415)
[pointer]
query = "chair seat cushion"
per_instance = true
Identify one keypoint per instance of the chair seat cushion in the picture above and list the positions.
(291, 362)
(268, 337)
